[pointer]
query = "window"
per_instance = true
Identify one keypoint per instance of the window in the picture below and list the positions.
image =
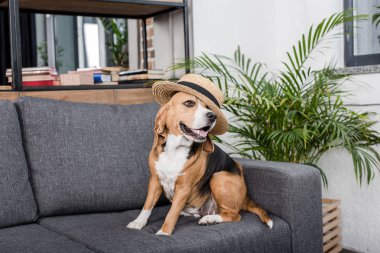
(70, 42)
(362, 39)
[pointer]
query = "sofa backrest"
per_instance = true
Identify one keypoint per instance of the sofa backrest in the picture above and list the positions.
(17, 205)
(84, 157)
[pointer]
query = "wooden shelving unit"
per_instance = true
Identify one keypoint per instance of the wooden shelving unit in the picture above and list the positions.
(106, 96)
(132, 9)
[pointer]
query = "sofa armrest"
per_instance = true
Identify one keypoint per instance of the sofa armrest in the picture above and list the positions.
(291, 192)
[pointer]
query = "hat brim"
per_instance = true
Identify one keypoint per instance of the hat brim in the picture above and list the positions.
(163, 91)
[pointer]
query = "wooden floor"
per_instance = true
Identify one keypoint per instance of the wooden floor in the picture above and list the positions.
(111, 96)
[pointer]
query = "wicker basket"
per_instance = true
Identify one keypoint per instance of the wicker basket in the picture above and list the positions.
(332, 239)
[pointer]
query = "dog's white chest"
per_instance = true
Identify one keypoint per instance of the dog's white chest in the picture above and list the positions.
(171, 161)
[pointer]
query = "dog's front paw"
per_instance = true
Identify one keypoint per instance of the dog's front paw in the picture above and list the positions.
(210, 219)
(136, 224)
(160, 232)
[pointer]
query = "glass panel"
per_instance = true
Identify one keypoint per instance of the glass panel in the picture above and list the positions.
(70, 42)
(367, 34)
(65, 43)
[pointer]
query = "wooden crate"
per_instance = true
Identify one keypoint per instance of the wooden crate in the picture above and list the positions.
(332, 239)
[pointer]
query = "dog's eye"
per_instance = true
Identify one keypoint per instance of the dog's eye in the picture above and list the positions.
(189, 103)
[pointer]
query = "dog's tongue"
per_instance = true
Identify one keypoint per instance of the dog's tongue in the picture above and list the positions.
(200, 132)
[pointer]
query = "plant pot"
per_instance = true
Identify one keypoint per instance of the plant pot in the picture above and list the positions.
(332, 238)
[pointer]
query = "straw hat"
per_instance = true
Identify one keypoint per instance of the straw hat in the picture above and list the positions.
(200, 87)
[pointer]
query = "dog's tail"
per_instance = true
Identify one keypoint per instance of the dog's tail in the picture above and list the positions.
(252, 207)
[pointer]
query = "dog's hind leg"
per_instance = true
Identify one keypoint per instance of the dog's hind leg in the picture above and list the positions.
(252, 207)
(229, 191)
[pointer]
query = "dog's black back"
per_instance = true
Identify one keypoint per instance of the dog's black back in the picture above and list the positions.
(216, 162)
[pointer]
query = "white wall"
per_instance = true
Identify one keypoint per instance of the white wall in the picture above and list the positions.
(169, 41)
(265, 30)
(219, 26)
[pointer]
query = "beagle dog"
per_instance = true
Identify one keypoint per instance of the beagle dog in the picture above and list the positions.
(197, 177)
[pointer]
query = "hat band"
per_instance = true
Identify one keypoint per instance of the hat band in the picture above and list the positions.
(201, 90)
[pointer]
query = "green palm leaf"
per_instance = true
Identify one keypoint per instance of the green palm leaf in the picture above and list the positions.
(376, 18)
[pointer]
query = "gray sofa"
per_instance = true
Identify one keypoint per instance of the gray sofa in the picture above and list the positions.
(72, 176)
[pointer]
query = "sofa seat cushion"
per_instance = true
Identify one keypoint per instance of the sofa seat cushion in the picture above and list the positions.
(87, 158)
(17, 205)
(34, 238)
(107, 232)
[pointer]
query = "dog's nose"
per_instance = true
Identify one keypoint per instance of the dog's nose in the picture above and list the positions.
(211, 116)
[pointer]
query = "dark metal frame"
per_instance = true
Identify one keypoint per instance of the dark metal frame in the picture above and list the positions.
(15, 37)
(145, 44)
(350, 59)
(15, 42)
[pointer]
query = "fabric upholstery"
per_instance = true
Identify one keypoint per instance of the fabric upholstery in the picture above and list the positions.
(17, 205)
(107, 233)
(37, 239)
(86, 157)
(292, 192)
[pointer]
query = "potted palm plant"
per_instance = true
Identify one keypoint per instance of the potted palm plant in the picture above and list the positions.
(119, 42)
(297, 114)
(376, 20)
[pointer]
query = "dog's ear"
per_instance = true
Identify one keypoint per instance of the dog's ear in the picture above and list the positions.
(160, 122)
(208, 145)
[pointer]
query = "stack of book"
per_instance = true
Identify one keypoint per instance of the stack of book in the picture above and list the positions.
(40, 76)
(140, 75)
(110, 75)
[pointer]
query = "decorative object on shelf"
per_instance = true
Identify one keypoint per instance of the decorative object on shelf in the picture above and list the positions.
(119, 42)
(77, 78)
(332, 233)
(298, 114)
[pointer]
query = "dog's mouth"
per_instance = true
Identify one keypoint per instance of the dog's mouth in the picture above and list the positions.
(198, 135)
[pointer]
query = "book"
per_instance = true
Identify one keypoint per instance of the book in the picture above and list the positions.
(29, 78)
(40, 83)
(143, 74)
(34, 71)
(97, 77)
(133, 72)
(142, 77)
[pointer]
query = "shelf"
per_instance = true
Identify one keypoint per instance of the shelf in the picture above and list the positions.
(104, 96)
(87, 87)
(138, 9)
(5, 87)
(122, 8)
